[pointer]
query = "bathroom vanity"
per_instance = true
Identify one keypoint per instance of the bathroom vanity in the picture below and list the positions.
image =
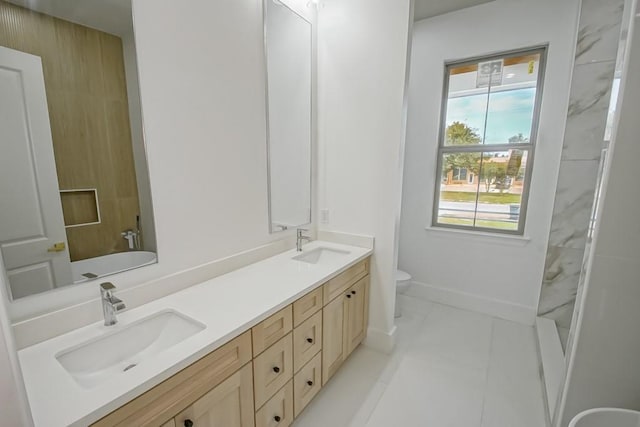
(259, 344)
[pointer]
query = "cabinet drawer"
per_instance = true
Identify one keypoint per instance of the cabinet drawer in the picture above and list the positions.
(307, 306)
(340, 283)
(307, 383)
(228, 404)
(307, 341)
(176, 393)
(278, 411)
(272, 369)
(271, 330)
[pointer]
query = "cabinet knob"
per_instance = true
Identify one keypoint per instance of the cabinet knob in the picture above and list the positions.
(348, 296)
(309, 383)
(310, 340)
(188, 423)
(353, 292)
(277, 418)
(276, 369)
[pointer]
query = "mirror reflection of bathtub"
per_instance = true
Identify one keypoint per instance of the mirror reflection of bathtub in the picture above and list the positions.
(74, 184)
(94, 268)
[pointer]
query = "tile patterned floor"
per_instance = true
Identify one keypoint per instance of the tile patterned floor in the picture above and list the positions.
(450, 368)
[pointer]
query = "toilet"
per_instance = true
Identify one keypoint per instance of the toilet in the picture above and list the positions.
(403, 280)
(609, 417)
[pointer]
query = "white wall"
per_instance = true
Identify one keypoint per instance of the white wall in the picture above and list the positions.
(604, 359)
(500, 274)
(203, 101)
(362, 55)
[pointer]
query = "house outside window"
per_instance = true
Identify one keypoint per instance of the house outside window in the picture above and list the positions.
(459, 174)
(490, 113)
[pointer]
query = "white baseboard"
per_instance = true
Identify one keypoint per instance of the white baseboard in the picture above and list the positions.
(380, 340)
(492, 307)
(552, 358)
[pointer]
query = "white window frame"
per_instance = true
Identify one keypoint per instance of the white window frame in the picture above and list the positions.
(489, 148)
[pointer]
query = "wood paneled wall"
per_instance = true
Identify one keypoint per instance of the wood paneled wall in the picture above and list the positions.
(88, 109)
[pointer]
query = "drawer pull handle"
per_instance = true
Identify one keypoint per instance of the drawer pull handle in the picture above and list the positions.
(277, 418)
(353, 292)
(310, 340)
(309, 383)
(188, 423)
(348, 296)
(276, 369)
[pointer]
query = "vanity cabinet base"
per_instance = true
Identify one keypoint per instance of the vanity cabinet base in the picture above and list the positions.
(266, 376)
(164, 401)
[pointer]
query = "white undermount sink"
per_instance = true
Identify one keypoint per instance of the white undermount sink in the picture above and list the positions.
(102, 358)
(320, 255)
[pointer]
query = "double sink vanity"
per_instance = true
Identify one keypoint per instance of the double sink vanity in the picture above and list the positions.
(251, 347)
(248, 348)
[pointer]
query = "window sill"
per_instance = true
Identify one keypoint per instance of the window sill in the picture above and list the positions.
(509, 239)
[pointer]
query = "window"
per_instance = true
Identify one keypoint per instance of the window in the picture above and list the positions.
(490, 113)
(459, 174)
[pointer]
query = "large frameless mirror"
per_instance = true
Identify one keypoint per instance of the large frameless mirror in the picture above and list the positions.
(288, 58)
(74, 187)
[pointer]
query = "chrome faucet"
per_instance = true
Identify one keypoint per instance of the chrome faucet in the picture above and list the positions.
(132, 239)
(110, 304)
(300, 238)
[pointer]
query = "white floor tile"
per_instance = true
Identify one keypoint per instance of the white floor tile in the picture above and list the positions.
(415, 305)
(454, 335)
(367, 408)
(514, 387)
(450, 368)
(431, 394)
(345, 394)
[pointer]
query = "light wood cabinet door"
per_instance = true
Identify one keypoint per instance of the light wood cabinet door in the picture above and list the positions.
(357, 314)
(230, 404)
(333, 337)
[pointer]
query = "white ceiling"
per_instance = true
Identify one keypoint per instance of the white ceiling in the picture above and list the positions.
(110, 16)
(114, 16)
(429, 8)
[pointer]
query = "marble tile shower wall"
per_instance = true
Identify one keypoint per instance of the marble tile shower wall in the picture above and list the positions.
(593, 73)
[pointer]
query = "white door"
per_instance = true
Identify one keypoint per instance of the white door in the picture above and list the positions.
(32, 231)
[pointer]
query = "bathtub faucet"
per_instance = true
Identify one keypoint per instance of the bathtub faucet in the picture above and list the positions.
(132, 238)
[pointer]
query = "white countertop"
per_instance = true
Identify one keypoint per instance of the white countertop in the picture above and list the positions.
(227, 305)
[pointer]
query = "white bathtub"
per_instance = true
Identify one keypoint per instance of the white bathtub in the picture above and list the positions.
(110, 264)
(606, 417)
